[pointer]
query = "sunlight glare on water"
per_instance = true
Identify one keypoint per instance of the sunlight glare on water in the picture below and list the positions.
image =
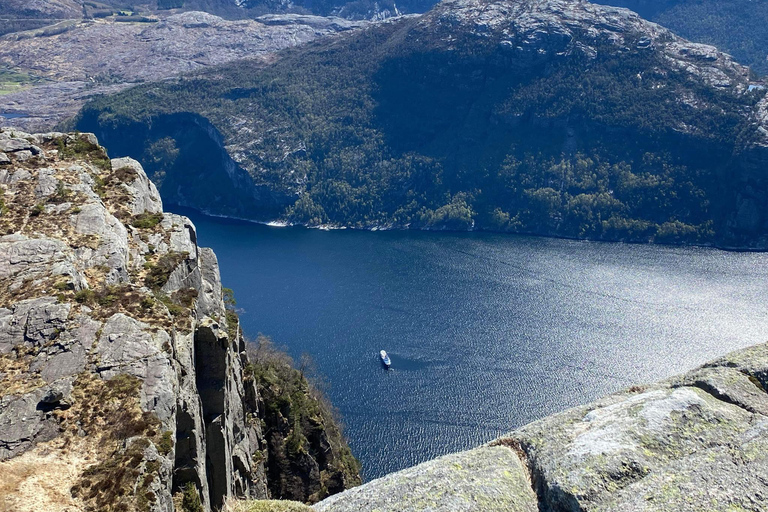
(485, 332)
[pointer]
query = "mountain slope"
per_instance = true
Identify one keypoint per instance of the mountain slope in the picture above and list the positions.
(544, 116)
(735, 26)
(97, 57)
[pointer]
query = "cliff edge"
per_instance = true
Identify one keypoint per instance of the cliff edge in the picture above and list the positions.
(694, 442)
(124, 381)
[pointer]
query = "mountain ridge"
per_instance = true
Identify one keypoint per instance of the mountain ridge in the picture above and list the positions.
(463, 118)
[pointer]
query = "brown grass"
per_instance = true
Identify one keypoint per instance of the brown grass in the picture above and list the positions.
(16, 377)
(40, 480)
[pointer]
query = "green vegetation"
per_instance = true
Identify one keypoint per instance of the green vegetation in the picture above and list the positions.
(80, 148)
(233, 320)
(146, 220)
(165, 445)
(388, 127)
(266, 506)
(301, 424)
(160, 271)
(61, 195)
(191, 499)
(15, 81)
(173, 308)
(36, 210)
(122, 479)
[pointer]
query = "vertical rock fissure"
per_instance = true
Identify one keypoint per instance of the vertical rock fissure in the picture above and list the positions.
(187, 452)
(536, 479)
(211, 374)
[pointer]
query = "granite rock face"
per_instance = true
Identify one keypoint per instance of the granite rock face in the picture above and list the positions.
(486, 478)
(694, 442)
(115, 354)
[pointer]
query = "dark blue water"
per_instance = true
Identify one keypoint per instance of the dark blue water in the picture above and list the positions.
(485, 332)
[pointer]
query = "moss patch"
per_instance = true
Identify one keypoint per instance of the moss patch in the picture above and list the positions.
(266, 506)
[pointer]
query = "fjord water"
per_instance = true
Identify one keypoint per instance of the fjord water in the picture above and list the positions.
(486, 332)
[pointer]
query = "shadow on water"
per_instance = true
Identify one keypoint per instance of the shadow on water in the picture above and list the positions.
(406, 364)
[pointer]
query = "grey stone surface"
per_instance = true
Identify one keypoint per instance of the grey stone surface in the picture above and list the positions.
(52, 338)
(143, 193)
(22, 423)
(209, 301)
(112, 250)
(24, 259)
(9, 144)
(25, 419)
(32, 322)
(483, 479)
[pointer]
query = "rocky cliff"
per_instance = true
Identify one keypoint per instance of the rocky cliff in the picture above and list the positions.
(694, 442)
(124, 381)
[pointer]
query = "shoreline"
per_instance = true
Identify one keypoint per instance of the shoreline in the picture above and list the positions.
(373, 229)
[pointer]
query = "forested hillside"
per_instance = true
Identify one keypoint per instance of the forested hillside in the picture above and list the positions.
(549, 117)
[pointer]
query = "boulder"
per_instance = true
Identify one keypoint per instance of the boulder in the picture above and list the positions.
(483, 479)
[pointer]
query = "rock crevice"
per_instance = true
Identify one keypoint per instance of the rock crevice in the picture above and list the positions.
(117, 357)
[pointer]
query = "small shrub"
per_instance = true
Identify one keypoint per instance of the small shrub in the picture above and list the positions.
(146, 220)
(78, 147)
(123, 386)
(232, 323)
(147, 303)
(125, 174)
(191, 500)
(229, 297)
(62, 286)
(165, 445)
(86, 296)
(62, 194)
(100, 186)
(173, 308)
(37, 210)
(185, 297)
(160, 271)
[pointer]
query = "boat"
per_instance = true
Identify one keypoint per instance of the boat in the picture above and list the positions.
(385, 358)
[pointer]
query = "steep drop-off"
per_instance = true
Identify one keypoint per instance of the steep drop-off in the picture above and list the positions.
(692, 443)
(541, 116)
(124, 381)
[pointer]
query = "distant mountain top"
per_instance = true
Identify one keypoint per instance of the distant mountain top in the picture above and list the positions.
(545, 116)
(53, 72)
(736, 26)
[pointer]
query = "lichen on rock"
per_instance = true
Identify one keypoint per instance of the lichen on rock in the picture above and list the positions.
(116, 359)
